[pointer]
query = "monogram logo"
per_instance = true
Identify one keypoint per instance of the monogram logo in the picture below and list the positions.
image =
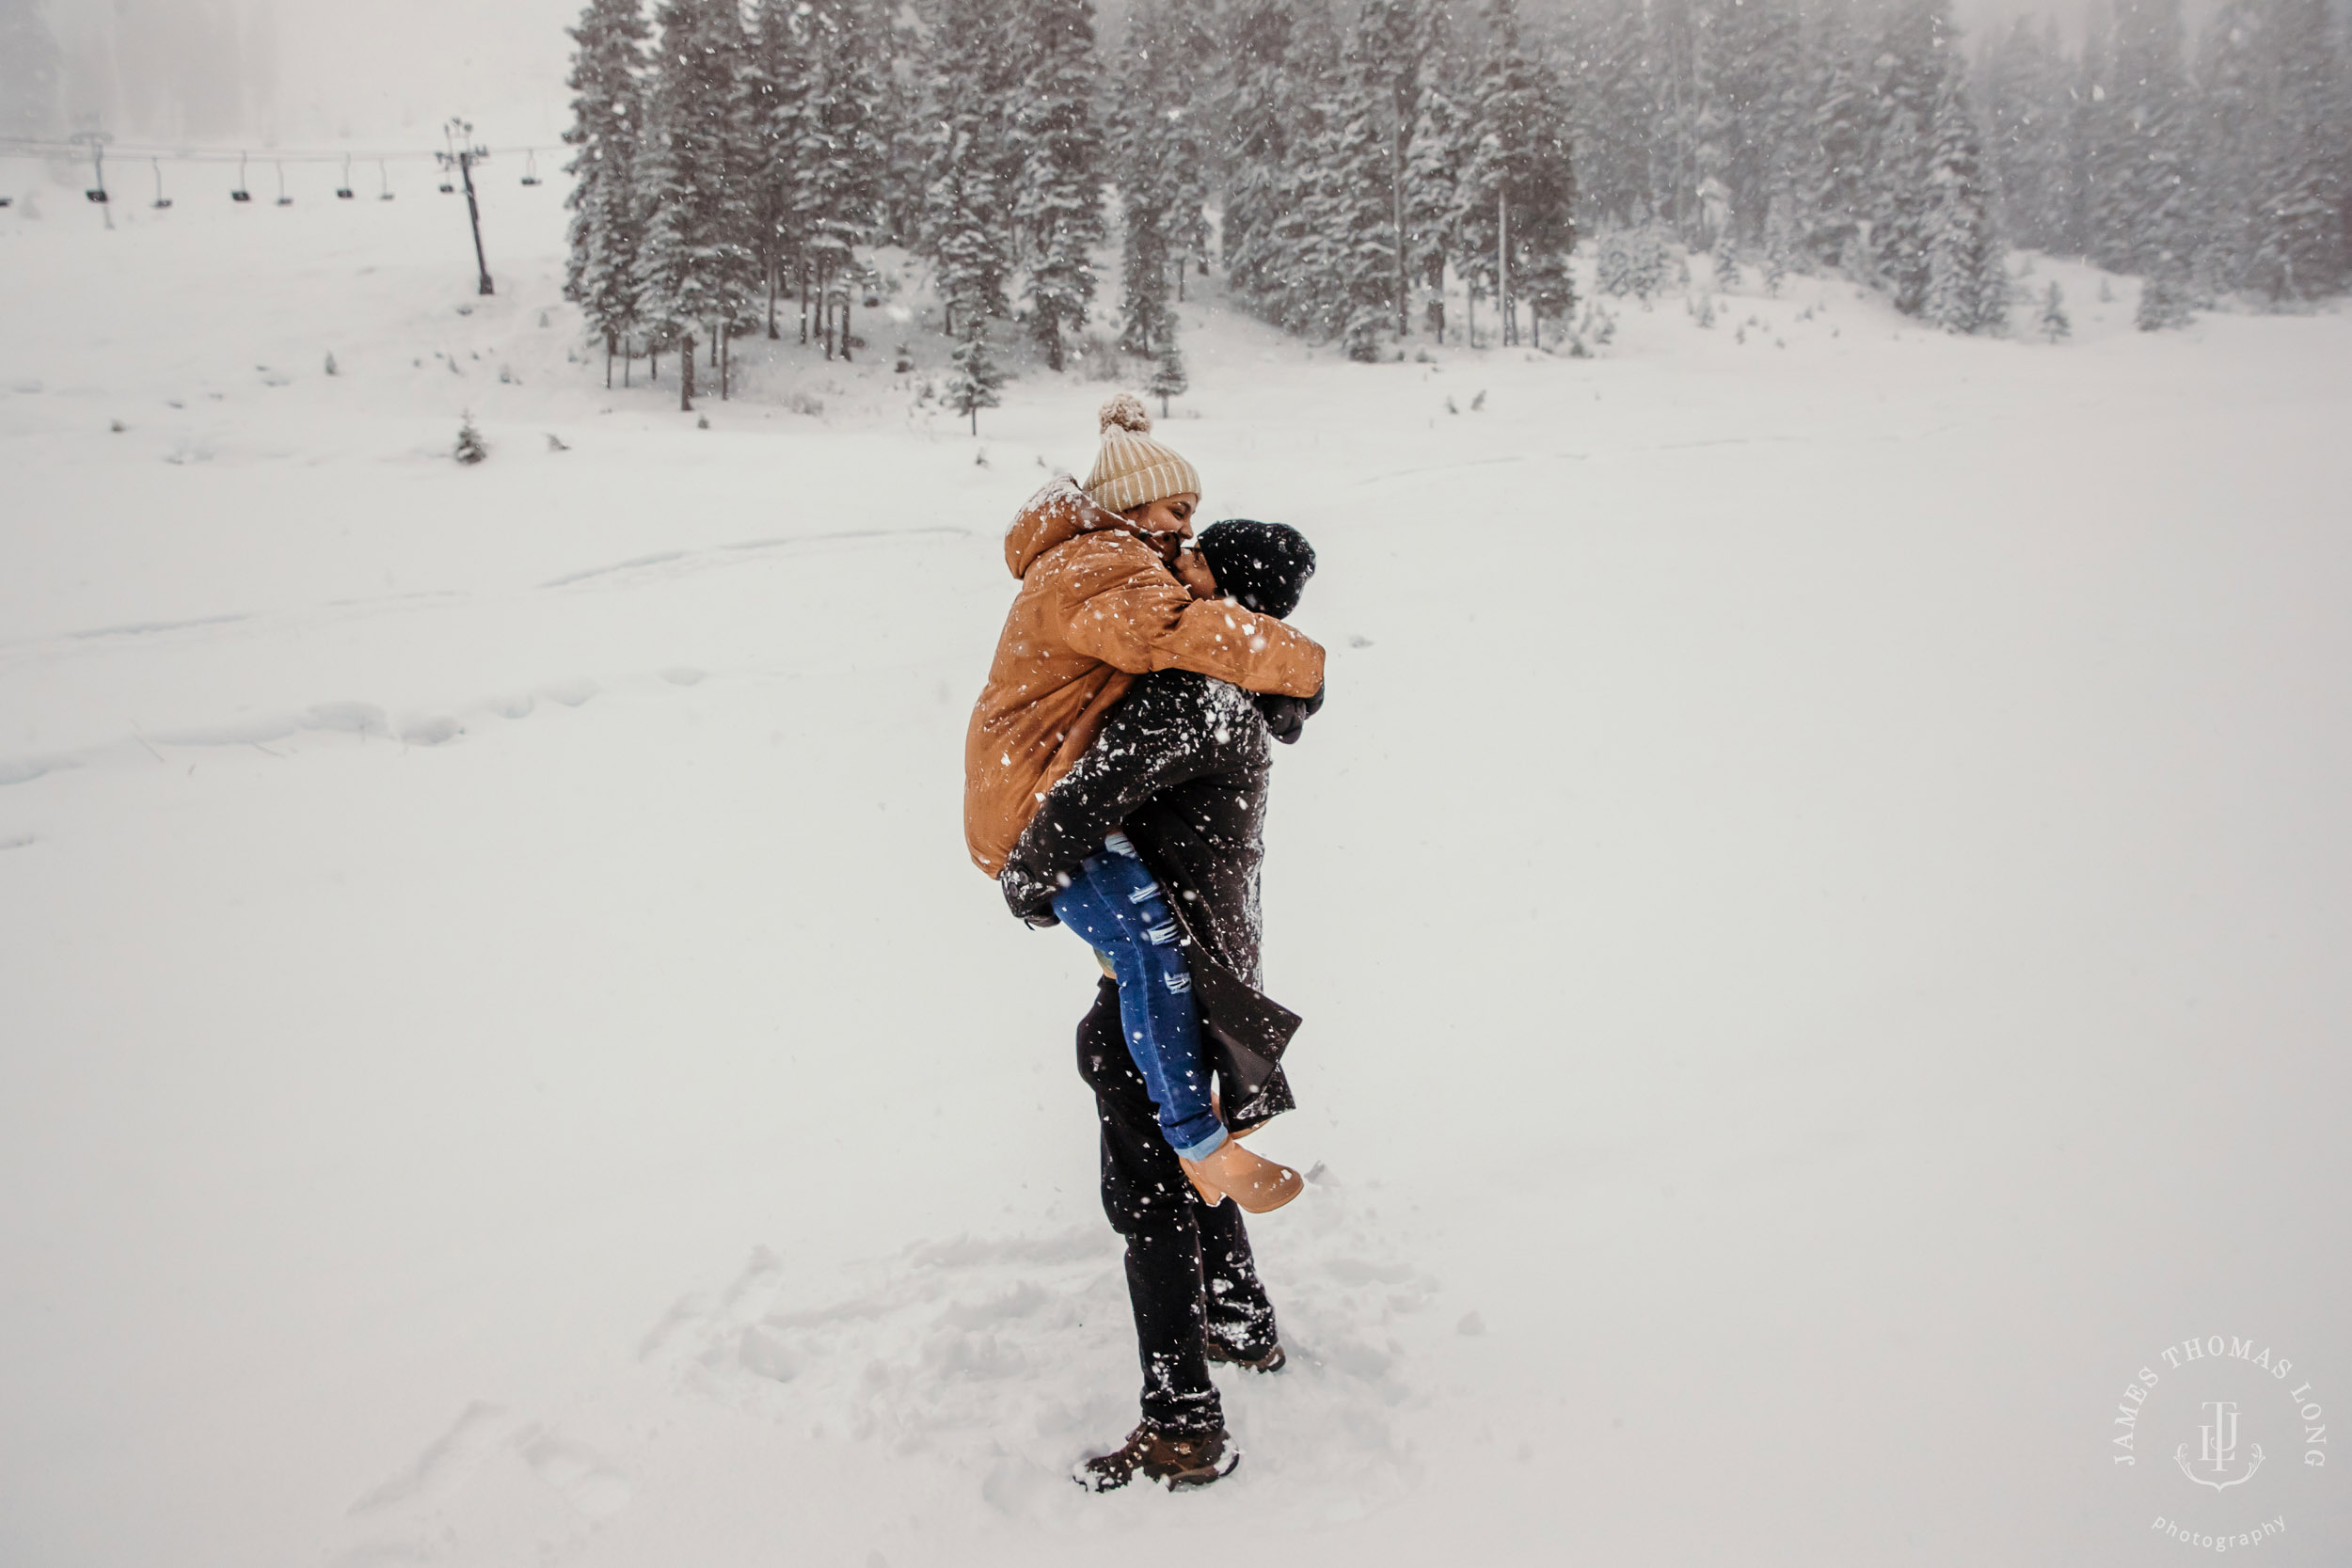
(2218, 1451)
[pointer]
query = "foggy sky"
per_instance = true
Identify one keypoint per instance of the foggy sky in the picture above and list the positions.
(319, 73)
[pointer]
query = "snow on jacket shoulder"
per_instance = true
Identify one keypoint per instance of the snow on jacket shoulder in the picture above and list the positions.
(1097, 606)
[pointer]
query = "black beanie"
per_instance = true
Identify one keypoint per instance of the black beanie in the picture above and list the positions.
(1264, 565)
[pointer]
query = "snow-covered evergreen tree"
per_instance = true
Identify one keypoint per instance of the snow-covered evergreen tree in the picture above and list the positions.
(607, 225)
(1432, 200)
(2055, 324)
(840, 153)
(1058, 202)
(1908, 78)
(1156, 161)
(695, 266)
(1167, 373)
(2301, 227)
(776, 88)
(1520, 177)
(1833, 191)
(1605, 71)
(2028, 146)
(1968, 285)
(1354, 209)
(967, 225)
(976, 377)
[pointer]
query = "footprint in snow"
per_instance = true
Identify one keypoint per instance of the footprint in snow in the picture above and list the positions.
(1008, 1357)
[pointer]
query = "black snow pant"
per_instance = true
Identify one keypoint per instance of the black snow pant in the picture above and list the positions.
(1190, 1276)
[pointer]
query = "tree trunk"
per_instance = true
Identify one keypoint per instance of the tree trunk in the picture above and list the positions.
(629, 357)
(653, 364)
(608, 361)
(686, 376)
(726, 363)
(803, 301)
(715, 336)
(772, 296)
(1396, 187)
(845, 318)
(1502, 266)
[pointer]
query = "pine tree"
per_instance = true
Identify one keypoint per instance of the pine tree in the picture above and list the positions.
(840, 153)
(1612, 130)
(695, 267)
(1783, 234)
(1356, 212)
(1902, 193)
(2302, 224)
(1726, 260)
(1156, 154)
(1059, 200)
(1521, 175)
(606, 228)
(1432, 200)
(976, 377)
(1396, 42)
(2055, 324)
(470, 448)
(967, 228)
(777, 84)
(1967, 286)
(2027, 144)
(2164, 300)
(1167, 373)
(1833, 194)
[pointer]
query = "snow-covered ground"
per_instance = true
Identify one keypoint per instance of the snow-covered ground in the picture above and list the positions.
(1820, 896)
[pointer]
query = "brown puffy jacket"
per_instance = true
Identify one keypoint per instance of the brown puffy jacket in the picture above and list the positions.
(1097, 607)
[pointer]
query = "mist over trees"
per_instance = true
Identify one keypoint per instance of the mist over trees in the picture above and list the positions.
(1354, 165)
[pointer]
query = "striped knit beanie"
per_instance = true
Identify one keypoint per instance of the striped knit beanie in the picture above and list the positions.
(1133, 469)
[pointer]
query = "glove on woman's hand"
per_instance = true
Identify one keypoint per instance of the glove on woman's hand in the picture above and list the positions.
(1029, 894)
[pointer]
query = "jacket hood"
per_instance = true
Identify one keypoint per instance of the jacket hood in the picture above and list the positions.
(1056, 515)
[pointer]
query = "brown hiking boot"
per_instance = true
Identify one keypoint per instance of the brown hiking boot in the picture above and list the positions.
(1270, 1360)
(1194, 1460)
(1252, 1180)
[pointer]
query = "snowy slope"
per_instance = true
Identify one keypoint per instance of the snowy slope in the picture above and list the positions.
(1819, 896)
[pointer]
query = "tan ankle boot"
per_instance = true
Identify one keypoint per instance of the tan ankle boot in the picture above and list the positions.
(1252, 1180)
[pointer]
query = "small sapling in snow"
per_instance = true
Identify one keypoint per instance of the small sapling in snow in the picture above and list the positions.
(331, 363)
(471, 447)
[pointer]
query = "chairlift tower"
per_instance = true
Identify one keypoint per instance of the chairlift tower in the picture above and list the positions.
(464, 154)
(96, 141)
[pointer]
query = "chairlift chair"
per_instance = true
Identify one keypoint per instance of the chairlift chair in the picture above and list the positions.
(161, 200)
(530, 168)
(8, 202)
(284, 199)
(240, 194)
(342, 192)
(384, 175)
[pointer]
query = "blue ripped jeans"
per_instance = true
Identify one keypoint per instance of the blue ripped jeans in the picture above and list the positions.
(1116, 908)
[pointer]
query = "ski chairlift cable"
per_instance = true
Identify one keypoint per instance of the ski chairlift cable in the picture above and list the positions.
(240, 194)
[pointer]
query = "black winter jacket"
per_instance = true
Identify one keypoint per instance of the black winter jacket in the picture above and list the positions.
(1181, 765)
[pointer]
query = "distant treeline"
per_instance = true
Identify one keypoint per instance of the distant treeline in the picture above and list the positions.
(1365, 156)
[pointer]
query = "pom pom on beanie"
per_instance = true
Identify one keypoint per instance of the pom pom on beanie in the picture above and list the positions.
(1125, 411)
